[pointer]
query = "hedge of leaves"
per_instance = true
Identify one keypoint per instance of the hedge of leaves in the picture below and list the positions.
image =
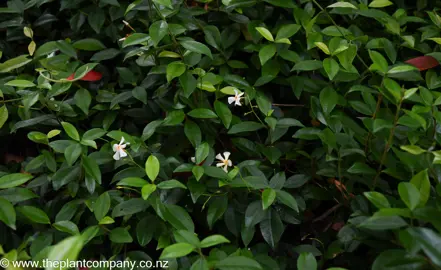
(222, 134)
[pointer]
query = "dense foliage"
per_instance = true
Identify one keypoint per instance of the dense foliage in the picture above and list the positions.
(222, 134)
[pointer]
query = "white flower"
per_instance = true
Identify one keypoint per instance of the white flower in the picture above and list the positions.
(193, 159)
(236, 98)
(52, 54)
(224, 161)
(122, 39)
(125, 22)
(119, 150)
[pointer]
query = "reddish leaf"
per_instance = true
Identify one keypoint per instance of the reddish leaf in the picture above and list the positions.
(91, 76)
(338, 225)
(423, 62)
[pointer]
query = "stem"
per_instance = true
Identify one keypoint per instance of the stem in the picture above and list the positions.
(374, 116)
(335, 24)
(133, 161)
(288, 105)
(388, 144)
(10, 100)
(168, 29)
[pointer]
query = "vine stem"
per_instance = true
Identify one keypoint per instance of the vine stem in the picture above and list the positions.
(168, 29)
(10, 100)
(335, 24)
(374, 116)
(388, 144)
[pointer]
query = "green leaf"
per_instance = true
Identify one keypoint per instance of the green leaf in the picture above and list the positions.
(322, 46)
(429, 242)
(101, 206)
(34, 214)
(140, 94)
(174, 118)
(147, 190)
(152, 167)
(328, 99)
(265, 33)
(135, 39)
(380, 124)
(272, 229)
(202, 113)
(178, 217)
(213, 240)
(331, 67)
(14, 63)
(268, 197)
(383, 223)
(200, 264)
(377, 199)
(238, 262)
(306, 261)
(132, 182)
(66, 226)
(287, 31)
(71, 130)
(192, 132)
(188, 83)
(202, 152)
(20, 83)
(287, 199)
(380, 3)
(129, 207)
(176, 251)
(120, 236)
(158, 30)
(422, 183)
(246, 126)
(89, 44)
(361, 168)
(393, 89)
(307, 65)
(401, 69)
(342, 5)
(93, 134)
(7, 213)
(66, 48)
(223, 112)
(196, 47)
(266, 53)
(92, 168)
(83, 100)
(169, 184)
(413, 149)
(166, 3)
(96, 21)
(14, 179)
(106, 220)
(106, 54)
(66, 250)
(3, 115)
(72, 153)
(281, 3)
(307, 133)
(336, 31)
(409, 194)
(379, 61)
(174, 70)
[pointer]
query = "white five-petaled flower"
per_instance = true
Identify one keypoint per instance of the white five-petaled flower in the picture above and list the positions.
(119, 150)
(236, 98)
(225, 162)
